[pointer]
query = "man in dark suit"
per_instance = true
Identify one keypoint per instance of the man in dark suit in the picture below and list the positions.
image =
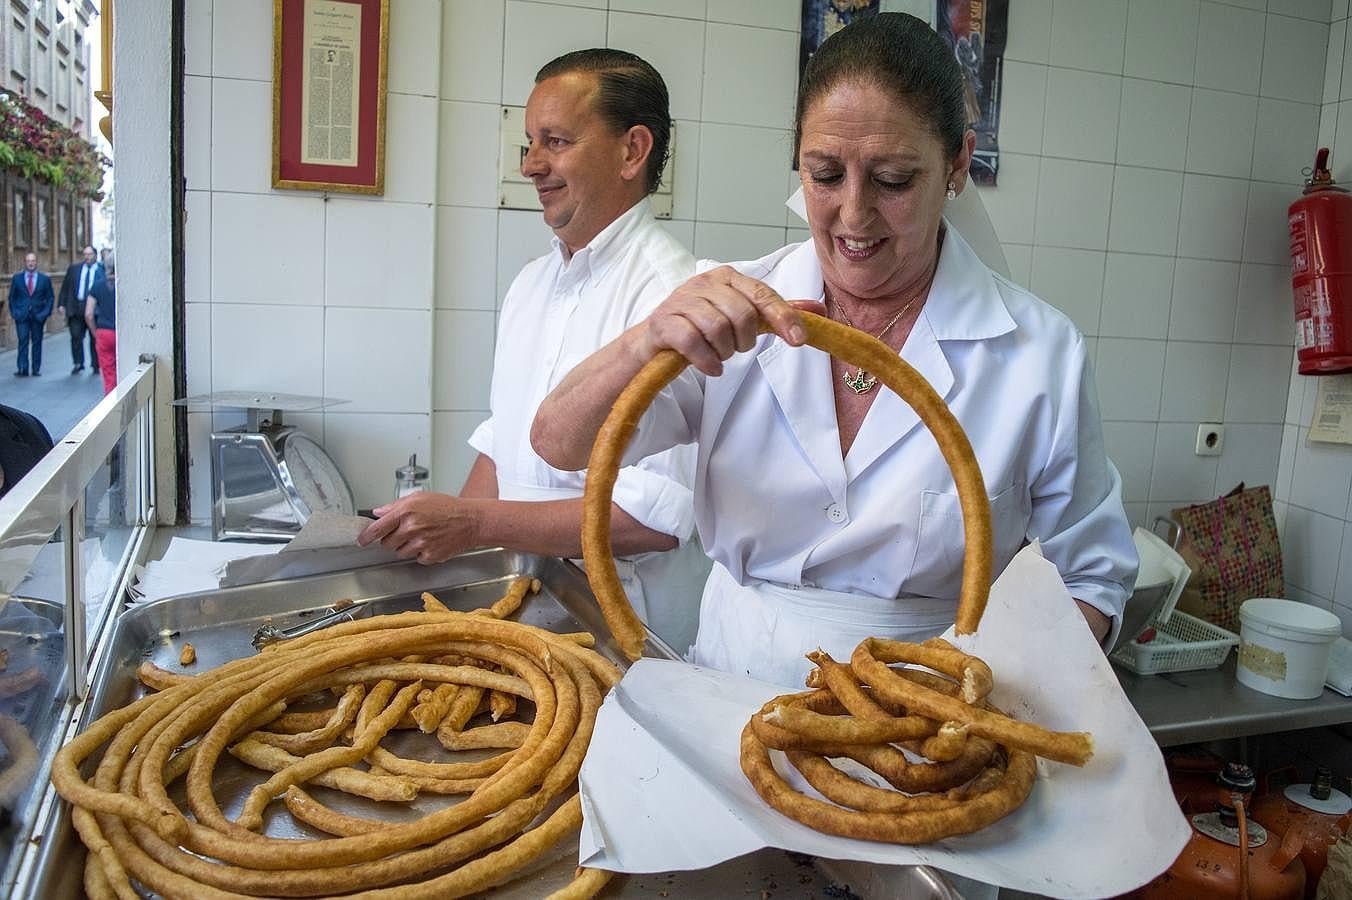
(80, 277)
(30, 303)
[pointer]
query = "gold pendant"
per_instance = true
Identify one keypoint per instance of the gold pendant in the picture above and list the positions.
(861, 382)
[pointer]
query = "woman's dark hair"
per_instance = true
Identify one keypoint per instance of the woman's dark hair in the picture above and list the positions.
(898, 53)
(629, 92)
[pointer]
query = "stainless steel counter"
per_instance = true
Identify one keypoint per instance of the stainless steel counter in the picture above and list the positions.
(1187, 707)
(767, 874)
(221, 622)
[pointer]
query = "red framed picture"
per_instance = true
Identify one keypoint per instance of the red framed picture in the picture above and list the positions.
(328, 94)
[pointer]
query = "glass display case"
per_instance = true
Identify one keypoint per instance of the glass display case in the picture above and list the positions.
(70, 530)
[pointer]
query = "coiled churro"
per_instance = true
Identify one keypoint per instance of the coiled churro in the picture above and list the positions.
(134, 831)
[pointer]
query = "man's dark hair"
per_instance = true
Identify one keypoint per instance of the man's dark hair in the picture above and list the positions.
(629, 92)
(898, 53)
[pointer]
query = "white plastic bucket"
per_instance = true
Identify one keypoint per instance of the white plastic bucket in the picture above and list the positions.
(1284, 647)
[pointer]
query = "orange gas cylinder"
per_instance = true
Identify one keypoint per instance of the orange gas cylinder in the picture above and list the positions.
(1317, 814)
(1192, 775)
(1229, 856)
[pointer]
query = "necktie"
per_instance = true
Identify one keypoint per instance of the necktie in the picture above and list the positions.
(30, 284)
(84, 282)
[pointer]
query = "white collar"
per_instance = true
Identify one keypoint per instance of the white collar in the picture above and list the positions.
(601, 251)
(964, 302)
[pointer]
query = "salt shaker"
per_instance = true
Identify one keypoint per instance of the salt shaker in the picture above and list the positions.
(410, 479)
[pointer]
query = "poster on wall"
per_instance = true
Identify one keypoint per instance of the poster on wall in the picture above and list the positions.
(328, 95)
(976, 29)
(823, 18)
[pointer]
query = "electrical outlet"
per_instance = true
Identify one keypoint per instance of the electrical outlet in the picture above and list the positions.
(1210, 439)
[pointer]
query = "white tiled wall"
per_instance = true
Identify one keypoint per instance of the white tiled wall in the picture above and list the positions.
(1314, 485)
(297, 292)
(390, 303)
(1149, 150)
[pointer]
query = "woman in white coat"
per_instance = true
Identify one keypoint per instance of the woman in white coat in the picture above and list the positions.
(825, 504)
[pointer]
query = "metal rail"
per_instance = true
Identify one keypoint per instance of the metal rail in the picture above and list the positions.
(47, 503)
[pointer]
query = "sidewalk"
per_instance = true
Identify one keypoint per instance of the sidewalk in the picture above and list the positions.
(58, 398)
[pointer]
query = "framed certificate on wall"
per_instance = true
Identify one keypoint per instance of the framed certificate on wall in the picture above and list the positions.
(328, 94)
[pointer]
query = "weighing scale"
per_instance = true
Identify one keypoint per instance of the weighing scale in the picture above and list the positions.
(267, 477)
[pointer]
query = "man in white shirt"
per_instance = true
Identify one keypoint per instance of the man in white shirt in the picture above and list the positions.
(598, 128)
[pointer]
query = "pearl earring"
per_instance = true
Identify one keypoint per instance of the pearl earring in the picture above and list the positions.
(952, 190)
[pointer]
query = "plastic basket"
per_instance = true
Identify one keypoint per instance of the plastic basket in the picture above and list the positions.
(1182, 644)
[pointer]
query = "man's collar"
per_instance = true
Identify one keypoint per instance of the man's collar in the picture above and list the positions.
(595, 258)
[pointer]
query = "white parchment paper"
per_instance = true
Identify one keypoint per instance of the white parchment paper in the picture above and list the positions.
(327, 543)
(662, 788)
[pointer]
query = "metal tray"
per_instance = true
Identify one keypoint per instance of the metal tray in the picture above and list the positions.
(221, 624)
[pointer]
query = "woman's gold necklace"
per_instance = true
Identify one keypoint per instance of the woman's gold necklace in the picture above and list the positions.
(862, 382)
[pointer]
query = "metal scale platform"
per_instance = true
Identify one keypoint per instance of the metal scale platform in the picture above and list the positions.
(268, 477)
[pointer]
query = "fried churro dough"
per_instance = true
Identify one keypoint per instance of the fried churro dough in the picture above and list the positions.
(135, 832)
(21, 761)
(855, 348)
(21, 682)
(941, 713)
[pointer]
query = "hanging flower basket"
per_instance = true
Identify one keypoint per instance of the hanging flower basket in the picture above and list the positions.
(36, 146)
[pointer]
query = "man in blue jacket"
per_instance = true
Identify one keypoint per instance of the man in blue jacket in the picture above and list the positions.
(80, 277)
(30, 303)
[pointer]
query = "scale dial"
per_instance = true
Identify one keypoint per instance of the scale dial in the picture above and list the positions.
(315, 475)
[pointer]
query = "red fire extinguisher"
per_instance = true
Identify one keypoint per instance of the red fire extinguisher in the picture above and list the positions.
(1321, 272)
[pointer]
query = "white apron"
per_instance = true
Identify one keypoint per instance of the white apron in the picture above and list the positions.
(763, 629)
(662, 586)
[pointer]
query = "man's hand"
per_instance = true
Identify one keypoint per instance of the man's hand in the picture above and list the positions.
(425, 526)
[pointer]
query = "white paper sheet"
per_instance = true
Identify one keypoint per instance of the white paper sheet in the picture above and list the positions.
(188, 566)
(213, 554)
(327, 543)
(327, 531)
(662, 788)
(1332, 418)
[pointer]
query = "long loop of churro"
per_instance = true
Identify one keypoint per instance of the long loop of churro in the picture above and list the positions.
(847, 344)
(944, 715)
(136, 833)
